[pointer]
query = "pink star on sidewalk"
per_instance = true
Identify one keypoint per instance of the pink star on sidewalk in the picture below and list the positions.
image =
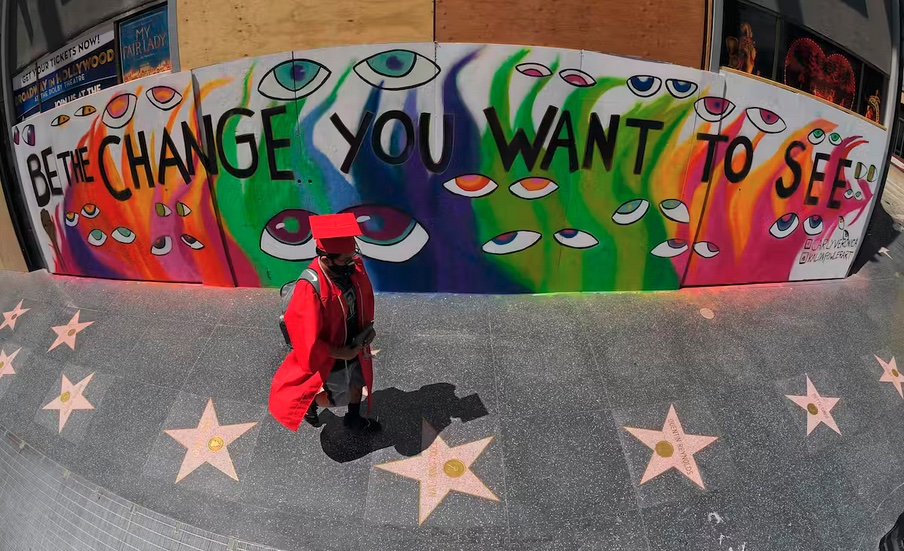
(70, 399)
(6, 363)
(66, 333)
(672, 449)
(9, 318)
(891, 374)
(440, 470)
(818, 408)
(207, 443)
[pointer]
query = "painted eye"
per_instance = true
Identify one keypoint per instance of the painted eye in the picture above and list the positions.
(706, 249)
(71, 219)
(97, 238)
(533, 188)
(673, 209)
(817, 136)
(813, 225)
(784, 226)
(680, 88)
(287, 236)
(577, 77)
(576, 239)
(123, 235)
(28, 134)
(670, 248)
(192, 242)
(471, 185)
(388, 234)
(162, 210)
(834, 138)
(858, 195)
(397, 70)
(164, 97)
(511, 242)
(85, 110)
(16, 135)
(182, 209)
(293, 79)
(90, 211)
(60, 120)
(162, 246)
(871, 174)
(535, 70)
(766, 121)
(713, 109)
(849, 193)
(120, 110)
(644, 85)
(631, 212)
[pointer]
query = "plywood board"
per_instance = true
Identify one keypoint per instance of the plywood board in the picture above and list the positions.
(217, 32)
(660, 30)
(10, 253)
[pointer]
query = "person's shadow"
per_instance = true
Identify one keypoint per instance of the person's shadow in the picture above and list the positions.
(402, 415)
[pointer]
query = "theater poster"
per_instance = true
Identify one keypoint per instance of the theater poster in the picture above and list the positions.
(144, 44)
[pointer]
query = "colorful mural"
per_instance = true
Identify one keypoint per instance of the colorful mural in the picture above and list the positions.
(471, 168)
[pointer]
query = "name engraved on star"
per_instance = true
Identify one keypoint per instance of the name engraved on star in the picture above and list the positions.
(676, 435)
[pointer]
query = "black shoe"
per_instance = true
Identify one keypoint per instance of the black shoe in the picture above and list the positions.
(311, 416)
(362, 424)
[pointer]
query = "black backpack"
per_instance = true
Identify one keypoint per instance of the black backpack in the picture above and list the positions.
(285, 295)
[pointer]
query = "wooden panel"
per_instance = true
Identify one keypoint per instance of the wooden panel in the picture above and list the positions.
(214, 32)
(10, 254)
(662, 30)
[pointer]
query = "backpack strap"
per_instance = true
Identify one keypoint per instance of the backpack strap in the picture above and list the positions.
(311, 277)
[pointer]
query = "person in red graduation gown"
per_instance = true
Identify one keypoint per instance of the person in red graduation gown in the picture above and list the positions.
(325, 366)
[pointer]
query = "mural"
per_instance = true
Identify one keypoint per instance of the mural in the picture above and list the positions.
(471, 168)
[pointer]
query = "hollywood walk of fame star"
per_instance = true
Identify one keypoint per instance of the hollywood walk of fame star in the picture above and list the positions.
(208, 443)
(891, 374)
(6, 363)
(818, 408)
(70, 399)
(441, 469)
(9, 318)
(672, 449)
(66, 333)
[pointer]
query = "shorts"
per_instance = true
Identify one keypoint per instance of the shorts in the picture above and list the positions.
(339, 381)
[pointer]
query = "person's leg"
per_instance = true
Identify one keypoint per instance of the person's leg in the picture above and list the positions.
(353, 418)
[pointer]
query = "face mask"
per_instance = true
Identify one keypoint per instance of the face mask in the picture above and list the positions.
(343, 271)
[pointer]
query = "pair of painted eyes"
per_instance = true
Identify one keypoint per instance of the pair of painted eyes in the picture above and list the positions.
(713, 109)
(851, 194)
(785, 226)
(389, 70)
(28, 134)
(632, 211)
(160, 247)
(477, 185)
(647, 85)
(163, 211)
(120, 110)
(574, 77)
(818, 136)
(516, 241)
(389, 234)
(677, 247)
(82, 111)
(88, 211)
(862, 172)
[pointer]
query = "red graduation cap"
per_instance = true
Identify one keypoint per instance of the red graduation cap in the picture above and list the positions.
(335, 233)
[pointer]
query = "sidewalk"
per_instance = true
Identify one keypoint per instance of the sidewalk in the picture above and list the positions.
(893, 195)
